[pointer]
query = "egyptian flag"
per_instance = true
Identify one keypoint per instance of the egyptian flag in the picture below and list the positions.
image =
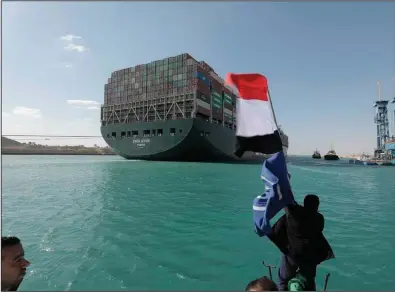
(256, 127)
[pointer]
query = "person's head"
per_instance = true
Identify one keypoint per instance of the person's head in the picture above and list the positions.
(261, 284)
(311, 202)
(13, 262)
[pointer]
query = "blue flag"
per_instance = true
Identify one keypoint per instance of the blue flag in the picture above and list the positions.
(277, 195)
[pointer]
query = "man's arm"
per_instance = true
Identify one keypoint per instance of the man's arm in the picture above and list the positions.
(291, 207)
(279, 234)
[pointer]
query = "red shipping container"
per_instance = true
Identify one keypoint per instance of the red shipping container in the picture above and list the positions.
(203, 87)
(217, 86)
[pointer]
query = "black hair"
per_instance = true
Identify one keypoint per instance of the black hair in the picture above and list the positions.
(9, 241)
(262, 284)
(311, 202)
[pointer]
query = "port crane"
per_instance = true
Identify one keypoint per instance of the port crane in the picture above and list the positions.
(381, 119)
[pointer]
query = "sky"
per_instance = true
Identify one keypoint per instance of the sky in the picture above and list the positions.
(322, 61)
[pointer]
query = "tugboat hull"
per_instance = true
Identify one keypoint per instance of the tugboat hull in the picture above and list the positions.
(331, 157)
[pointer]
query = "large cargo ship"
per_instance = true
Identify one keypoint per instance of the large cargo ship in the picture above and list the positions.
(175, 109)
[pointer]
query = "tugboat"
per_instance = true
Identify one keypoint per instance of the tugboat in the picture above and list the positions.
(331, 155)
(316, 154)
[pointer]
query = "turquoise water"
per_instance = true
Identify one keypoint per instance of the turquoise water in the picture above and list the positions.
(97, 223)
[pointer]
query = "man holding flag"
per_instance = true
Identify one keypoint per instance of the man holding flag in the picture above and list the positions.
(257, 131)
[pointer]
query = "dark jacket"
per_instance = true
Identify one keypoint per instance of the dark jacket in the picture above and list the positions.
(298, 234)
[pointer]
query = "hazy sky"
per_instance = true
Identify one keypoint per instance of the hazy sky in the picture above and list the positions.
(322, 61)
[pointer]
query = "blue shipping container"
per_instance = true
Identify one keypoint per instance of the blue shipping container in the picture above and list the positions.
(203, 78)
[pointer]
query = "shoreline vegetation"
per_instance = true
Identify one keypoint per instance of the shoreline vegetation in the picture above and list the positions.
(12, 147)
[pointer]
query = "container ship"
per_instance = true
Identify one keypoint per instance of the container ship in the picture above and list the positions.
(175, 109)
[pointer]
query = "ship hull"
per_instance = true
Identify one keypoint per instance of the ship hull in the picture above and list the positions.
(316, 157)
(331, 157)
(193, 140)
(367, 162)
(361, 162)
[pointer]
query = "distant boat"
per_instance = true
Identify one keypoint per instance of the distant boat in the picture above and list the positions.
(363, 160)
(386, 163)
(331, 155)
(316, 154)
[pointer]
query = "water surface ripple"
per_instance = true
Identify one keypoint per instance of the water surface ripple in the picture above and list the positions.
(103, 223)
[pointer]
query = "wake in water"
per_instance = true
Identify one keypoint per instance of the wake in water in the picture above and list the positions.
(318, 170)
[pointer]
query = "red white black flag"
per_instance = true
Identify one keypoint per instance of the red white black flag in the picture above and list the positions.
(256, 127)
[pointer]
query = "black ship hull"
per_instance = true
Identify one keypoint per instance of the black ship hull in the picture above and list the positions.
(190, 140)
(331, 157)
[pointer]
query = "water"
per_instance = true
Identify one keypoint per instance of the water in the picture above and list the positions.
(103, 223)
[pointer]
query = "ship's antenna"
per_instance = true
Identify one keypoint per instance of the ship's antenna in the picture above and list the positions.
(379, 89)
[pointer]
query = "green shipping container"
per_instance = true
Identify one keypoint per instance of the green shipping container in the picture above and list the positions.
(216, 99)
(228, 99)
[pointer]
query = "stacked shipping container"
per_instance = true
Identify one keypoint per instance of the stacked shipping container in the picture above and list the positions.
(229, 101)
(203, 92)
(163, 82)
(214, 99)
(156, 79)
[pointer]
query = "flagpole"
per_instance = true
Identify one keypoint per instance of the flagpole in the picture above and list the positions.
(271, 104)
